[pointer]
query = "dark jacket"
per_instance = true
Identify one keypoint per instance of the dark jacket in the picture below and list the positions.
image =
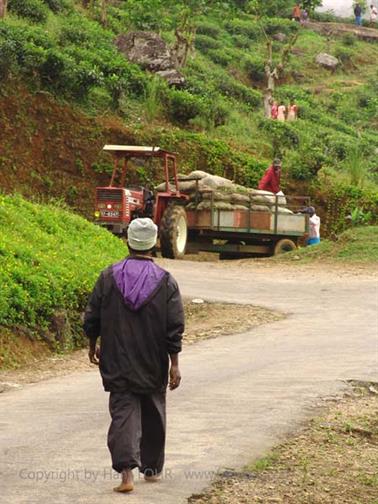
(137, 310)
(357, 11)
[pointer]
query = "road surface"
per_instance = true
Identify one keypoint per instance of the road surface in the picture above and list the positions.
(240, 394)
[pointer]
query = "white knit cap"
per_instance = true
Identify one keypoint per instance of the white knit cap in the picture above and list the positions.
(142, 234)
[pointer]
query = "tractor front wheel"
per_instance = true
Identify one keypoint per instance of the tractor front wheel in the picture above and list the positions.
(173, 232)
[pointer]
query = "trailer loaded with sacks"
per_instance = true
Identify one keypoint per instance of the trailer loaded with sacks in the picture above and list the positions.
(200, 211)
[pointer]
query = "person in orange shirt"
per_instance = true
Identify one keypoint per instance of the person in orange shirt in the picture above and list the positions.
(297, 13)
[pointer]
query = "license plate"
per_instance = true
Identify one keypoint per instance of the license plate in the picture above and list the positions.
(109, 213)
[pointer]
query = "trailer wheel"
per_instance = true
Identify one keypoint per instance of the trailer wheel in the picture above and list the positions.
(283, 246)
(173, 232)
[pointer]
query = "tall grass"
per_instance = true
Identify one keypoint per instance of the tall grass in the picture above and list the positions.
(356, 167)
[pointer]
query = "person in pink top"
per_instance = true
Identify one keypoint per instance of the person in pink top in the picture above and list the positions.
(292, 112)
(281, 116)
(272, 178)
(274, 110)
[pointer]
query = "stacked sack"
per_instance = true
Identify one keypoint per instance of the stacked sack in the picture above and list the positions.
(206, 191)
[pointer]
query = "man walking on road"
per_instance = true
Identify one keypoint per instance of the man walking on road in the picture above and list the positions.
(137, 310)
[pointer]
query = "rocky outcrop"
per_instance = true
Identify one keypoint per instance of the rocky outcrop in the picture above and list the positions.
(327, 61)
(149, 50)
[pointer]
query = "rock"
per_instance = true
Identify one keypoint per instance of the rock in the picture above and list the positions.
(327, 61)
(173, 77)
(149, 50)
(281, 37)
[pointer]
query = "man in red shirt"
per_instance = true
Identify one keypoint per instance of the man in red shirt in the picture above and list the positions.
(272, 177)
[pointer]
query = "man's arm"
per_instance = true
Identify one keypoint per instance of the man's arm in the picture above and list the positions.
(174, 372)
(175, 329)
(92, 319)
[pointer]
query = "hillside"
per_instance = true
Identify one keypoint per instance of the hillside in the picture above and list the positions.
(49, 261)
(66, 90)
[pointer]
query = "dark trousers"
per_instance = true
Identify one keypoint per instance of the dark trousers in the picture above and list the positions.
(136, 436)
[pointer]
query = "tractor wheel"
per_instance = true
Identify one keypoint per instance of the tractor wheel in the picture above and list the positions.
(173, 232)
(283, 246)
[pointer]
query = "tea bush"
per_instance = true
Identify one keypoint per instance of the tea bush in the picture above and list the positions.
(248, 28)
(254, 67)
(209, 29)
(183, 106)
(49, 260)
(204, 43)
(34, 10)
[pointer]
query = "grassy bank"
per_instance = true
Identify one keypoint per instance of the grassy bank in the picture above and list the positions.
(356, 245)
(49, 261)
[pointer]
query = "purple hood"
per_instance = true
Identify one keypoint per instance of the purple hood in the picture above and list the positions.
(137, 280)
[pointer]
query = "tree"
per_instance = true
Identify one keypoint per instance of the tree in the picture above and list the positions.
(3, 8)
(187, 13)
(274, 71)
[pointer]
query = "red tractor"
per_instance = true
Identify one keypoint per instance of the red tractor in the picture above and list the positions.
(117, 205)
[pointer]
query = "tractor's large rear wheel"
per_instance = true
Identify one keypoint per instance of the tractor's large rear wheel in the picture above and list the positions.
(173, 232)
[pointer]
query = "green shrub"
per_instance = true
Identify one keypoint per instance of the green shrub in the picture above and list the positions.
(344, 55)
(249, 29)
(56, 5)
(242, 41)
(209, 29)
(220, 56)
(234, 89)
(282, 134)
(255, 67)
(279, 25)
(204, 43)
(183, 106)
(35, 10)
(49, 260)
(349, 39)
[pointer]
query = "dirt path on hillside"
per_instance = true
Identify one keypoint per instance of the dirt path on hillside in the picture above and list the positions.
(361, 32)
(240, 394)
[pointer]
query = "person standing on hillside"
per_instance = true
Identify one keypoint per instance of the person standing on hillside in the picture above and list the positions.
(281, 113)
(297, 13)
(373, 15)
(358, 14)
(314, 234)
(272, 178)
(137, 310)
(274, 110)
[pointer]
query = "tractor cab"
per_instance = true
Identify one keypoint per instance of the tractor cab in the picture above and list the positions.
(117, 205)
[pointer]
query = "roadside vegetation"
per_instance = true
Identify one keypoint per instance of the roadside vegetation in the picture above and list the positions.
(216, 121)
(49, 261)
(356, 245)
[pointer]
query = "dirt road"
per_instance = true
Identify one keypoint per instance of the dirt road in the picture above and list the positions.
(240, 394)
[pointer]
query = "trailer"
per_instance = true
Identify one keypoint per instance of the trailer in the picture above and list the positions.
(238, 233)
(186, 227)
